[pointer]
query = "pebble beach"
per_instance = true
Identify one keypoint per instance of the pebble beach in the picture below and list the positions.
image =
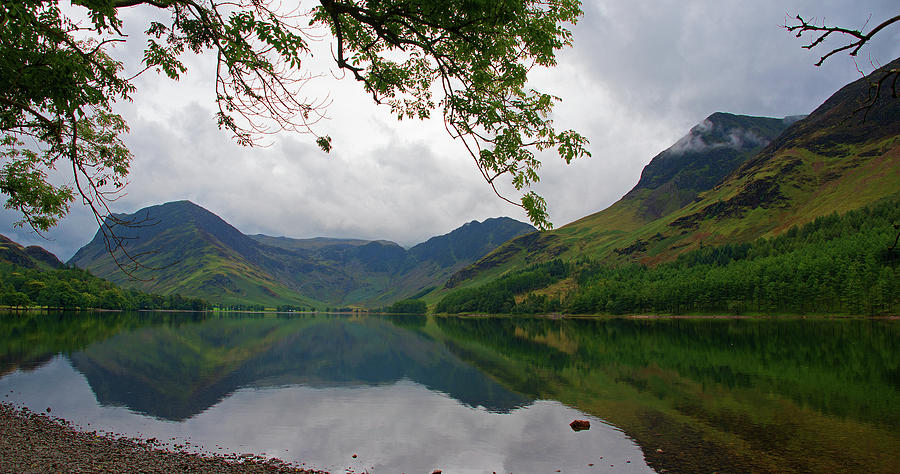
(32, 442)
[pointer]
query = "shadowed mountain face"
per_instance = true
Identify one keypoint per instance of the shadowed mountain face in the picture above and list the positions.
(701, 159)
(177, 372)
(469, 242)
(32, 256)
(733, 179)
(183, 248)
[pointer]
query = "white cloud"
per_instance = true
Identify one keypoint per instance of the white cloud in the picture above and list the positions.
(641, 74)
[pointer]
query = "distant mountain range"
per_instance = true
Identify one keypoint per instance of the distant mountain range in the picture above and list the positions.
(732, 179)
(184, 248)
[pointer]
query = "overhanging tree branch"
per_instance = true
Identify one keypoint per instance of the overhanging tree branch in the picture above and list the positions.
(857, 39)
(807, 26)
(58, 84)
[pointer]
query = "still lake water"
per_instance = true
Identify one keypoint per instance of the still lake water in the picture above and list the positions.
(414, 394)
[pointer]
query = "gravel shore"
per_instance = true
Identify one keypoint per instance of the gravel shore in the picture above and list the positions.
(36, 443)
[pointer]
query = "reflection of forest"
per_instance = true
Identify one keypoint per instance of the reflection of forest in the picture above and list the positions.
(697, 395)
(732, 395)
(28, 339)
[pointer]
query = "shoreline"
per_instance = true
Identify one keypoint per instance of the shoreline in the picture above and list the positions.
(32, 442)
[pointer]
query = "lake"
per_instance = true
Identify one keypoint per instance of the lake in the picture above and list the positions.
(415, 394)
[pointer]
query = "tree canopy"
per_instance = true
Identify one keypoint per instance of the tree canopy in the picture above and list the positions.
(469, 59)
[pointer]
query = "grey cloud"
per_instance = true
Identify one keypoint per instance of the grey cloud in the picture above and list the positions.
(695, 141)
(641, 74)
(402, 191)
(689, 59)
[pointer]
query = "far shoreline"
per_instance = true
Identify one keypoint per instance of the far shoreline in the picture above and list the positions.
(551, 316)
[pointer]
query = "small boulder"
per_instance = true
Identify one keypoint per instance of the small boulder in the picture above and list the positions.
(580, 425)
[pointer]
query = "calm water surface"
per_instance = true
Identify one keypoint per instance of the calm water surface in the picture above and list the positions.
(414, 394)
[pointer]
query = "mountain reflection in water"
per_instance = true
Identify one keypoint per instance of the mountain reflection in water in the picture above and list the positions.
(764, 395)
(177, 372)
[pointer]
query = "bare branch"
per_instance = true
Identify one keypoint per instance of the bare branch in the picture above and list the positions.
(805, 26)
(858, 39)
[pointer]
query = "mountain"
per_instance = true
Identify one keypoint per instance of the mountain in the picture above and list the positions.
(183, 248)
(837, 159)
(385, 272)
(700, 160)
(471, 241)
(675, 177)
(32, 256)
(175, 373)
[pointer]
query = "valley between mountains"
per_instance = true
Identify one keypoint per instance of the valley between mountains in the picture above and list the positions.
(733, 182)
(184, 248)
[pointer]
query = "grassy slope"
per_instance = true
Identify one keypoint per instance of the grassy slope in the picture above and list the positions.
(205, 268)
(28, 257)
(183, 248)
(833, 161)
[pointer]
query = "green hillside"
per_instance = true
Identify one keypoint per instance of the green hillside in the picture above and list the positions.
(838, 264)
(834, 160)
(32, 256)
(182, 248)
(32, 277)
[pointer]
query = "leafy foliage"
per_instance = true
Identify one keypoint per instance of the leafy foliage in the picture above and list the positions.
(58, 82)
(55, 97)
(479, 53)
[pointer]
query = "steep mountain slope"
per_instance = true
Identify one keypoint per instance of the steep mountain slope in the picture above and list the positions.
(440, 257)
(695, 163)
(184, 248)
(471, 241)
(700, 160)
(835, 160)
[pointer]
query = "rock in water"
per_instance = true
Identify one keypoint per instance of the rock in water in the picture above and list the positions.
(579, 425)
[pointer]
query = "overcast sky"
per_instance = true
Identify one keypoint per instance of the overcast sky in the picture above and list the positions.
(641, 74)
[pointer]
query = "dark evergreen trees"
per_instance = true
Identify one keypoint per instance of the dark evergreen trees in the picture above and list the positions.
(833, 265)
